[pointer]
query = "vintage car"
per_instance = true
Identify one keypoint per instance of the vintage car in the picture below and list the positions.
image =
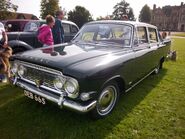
(27, 39)
(105, 59)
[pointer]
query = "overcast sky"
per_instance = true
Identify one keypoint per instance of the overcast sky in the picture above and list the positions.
(96, 7)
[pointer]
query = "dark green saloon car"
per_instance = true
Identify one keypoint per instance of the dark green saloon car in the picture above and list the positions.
(104, 60)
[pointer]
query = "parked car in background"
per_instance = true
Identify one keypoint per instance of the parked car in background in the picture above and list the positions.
(27, 39)
(15, 25)
(104, 60)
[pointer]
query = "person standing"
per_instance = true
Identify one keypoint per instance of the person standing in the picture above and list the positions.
(45, 35)
(3, 36)
(57, 30)
(5, 53)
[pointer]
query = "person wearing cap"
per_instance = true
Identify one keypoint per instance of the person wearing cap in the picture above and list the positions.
(57, 30)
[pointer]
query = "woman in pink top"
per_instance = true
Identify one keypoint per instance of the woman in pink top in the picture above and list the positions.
(45, 35)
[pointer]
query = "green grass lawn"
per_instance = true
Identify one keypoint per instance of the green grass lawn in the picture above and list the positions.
(153, 109)
(179, 34)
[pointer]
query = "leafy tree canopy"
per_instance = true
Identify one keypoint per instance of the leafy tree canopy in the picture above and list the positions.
(121, 9)
(80, 15)
(6, 9)
(145, 14)
(48, 7)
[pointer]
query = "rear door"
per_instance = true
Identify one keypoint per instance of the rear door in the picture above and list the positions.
(154, 46)
(143, 53)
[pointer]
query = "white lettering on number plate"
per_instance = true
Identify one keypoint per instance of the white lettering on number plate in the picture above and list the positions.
(35, 97)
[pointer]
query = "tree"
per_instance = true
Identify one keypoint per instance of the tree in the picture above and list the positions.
(48, 7)
(6, 9)
(145, 14)
(80, 16)
(121, 9)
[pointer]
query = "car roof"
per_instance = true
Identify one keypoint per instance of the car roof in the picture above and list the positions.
(68, 22)
(134, 23)
(18, 20)
(63, 21)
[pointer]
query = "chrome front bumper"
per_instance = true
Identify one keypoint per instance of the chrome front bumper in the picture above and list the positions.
(60, 100)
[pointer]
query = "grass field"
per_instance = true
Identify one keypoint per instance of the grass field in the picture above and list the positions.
(179, 34)
(153, 109)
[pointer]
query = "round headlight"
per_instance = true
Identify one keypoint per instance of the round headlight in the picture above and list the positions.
(59, 82)
(14, 68)
(21, 70)
(71, 87)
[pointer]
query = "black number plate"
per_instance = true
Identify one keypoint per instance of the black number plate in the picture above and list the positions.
(35, 97)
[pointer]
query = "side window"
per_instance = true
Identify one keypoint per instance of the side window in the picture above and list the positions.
(66, 28)
(142, 35)
(31, 26)
(152, 35)
(74, 29)
(135, 41)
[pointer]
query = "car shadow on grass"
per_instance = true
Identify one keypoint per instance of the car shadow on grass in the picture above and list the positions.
(24, 118)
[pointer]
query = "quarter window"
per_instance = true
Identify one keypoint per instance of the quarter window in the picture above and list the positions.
(74, 29)
(142, 35)
(152, 35)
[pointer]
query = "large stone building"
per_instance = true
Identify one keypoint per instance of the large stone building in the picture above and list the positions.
(170, 18)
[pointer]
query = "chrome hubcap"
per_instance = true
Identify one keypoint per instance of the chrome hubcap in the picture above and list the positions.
(107, 100)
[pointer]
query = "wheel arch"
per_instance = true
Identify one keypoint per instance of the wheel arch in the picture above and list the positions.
(119, 80)
(19, 44)
(161, 62)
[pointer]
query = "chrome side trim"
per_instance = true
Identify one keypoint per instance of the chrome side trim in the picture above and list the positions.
(139, 81)
(61, 101)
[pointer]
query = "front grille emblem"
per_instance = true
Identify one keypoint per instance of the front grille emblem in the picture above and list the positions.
(38, 83)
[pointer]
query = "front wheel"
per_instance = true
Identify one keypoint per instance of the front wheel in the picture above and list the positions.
(106, 100)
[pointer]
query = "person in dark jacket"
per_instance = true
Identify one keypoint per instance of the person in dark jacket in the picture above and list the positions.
(57, 30)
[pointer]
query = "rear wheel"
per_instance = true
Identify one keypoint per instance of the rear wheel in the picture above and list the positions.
(161, 62)
(106, 100)
(158, 67)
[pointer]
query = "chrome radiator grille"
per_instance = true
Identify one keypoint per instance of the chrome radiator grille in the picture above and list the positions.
(36, 73)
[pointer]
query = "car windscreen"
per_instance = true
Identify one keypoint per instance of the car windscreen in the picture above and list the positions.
(105, 33)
